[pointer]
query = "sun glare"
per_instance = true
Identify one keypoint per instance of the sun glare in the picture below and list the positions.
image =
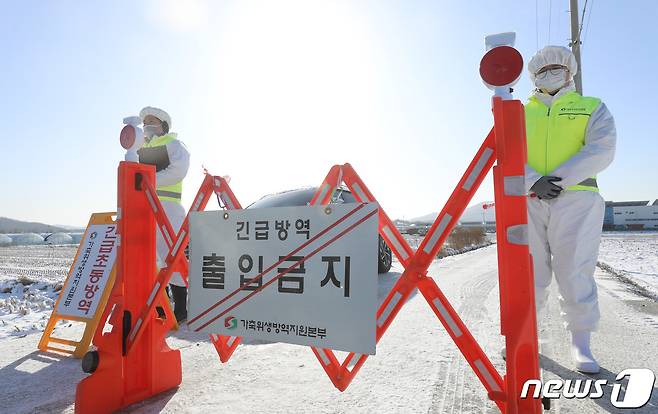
(295, 90)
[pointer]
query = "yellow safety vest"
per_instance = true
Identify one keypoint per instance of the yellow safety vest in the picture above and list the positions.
(155, 153)
(557, 133)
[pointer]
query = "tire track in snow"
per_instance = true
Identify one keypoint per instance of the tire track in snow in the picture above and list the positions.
(461, 391)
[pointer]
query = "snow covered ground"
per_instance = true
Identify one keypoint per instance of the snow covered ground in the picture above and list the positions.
(38, 263)
(30, 280)
(417, 367)
(632, 255)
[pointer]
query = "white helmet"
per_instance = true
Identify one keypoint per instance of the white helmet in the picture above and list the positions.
(552, 55)
(156, 112)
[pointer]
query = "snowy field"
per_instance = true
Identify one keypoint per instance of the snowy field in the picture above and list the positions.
(417, 367)
(30, 280)
(632, 255)
(39, 263)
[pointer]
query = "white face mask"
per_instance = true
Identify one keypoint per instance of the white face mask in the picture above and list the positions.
(150, 131)
(551, 80)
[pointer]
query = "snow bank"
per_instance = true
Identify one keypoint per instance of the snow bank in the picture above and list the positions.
(632, 255)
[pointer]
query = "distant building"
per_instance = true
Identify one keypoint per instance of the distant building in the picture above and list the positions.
(631, 215)
(619, 215)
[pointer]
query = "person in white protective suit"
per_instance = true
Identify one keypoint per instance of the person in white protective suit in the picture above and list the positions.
(570, 139)
(172, 160)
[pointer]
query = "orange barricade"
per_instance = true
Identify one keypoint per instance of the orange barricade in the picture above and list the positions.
(135, 341)
(120, 378)
(506, 143)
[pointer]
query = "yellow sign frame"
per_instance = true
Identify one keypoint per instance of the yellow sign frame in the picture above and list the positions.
(81, 346)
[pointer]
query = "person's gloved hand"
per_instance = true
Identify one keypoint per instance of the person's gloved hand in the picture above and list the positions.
(545, 187)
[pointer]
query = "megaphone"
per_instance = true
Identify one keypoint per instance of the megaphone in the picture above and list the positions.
(132, 137)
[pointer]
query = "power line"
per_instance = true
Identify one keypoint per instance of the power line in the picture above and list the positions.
(589, 17)
(550, 15)
(537, 24)
(582, 21)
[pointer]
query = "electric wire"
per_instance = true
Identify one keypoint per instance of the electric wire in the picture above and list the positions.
(582, 21)
(550, 14)
(589, 17)
(537, 25)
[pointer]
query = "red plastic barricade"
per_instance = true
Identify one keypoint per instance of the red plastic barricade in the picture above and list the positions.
(125, 368)
(506, 143)
(120, 378)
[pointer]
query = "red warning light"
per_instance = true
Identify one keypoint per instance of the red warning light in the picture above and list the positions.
(501, 66)
(127, 137)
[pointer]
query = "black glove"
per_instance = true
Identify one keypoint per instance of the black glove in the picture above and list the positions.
(545, 189)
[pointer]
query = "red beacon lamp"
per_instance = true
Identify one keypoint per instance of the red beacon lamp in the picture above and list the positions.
(132, 137)
(501, 66)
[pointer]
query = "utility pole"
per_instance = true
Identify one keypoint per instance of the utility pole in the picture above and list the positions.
(575, 44)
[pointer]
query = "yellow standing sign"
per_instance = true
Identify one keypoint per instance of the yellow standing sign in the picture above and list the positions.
(87, 286)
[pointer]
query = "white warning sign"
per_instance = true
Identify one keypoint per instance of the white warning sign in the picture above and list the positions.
(302, 275)
(90, 272)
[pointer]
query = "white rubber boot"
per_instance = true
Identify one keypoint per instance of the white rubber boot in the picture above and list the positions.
(582, 354)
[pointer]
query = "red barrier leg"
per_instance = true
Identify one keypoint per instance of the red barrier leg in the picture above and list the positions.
(118, 378)
(414, 275)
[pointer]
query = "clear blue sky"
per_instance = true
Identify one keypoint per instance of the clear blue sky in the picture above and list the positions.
(273, 93)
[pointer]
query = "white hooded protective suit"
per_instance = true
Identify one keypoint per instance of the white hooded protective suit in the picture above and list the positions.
(565, 232)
